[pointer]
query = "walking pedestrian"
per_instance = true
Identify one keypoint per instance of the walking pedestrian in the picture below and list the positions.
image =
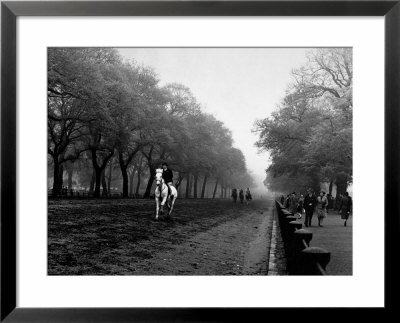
(322, 202)
(309, 206)
(338, 201)
(287, 201)
(345, 207)
(300, 206)
(330, 202)
(293, 203)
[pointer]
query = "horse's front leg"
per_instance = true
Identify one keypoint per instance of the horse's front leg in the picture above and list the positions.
(157, 207)
(162, 204)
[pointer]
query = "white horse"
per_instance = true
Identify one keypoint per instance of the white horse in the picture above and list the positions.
(161, 193)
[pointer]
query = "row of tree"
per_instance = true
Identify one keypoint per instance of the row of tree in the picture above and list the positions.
(104, 110)
(309, 135)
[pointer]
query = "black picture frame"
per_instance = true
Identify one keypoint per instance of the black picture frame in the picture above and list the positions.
(11, 10)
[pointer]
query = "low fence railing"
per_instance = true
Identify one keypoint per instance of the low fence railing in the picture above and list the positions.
(302, 259)
(66, 193)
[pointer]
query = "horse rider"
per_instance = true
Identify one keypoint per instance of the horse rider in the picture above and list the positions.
(234, 194)
(241, 195)
(167, 176)
(248, 194)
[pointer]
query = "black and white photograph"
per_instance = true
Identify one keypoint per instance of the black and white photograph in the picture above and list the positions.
(200, 161)
(170, 161)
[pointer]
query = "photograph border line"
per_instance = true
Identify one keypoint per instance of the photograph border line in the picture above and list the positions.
(9, 13)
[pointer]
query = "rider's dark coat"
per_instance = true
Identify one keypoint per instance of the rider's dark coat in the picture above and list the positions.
(167, 175)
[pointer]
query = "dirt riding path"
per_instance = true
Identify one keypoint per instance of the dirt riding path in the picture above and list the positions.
(120, 237)
(237, 247)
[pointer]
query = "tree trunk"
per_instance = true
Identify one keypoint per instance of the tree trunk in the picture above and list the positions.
(315, 182)
(124, 173)
(150, 182)
(187, 185)
(330, 186)
(99, 169)
(61, 176)
(131, 178)
(215, 188)
(179, 181)
(125, 181)
(92, 182)
(56, 178)
(70, 171)
(98, 182)
(203, 189)
(222, 191)
(104, 183)
(109, 177)
(341, 183)
(180, 189)
(195, 186)
(191, 186)
(139, 175)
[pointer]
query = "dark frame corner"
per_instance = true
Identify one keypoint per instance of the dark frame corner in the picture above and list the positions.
(10, 10)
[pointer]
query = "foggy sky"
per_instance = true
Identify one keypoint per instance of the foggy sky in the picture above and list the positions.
(236, 85)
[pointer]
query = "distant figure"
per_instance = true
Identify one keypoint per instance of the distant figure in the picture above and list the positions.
(248, 196)
(322, 202)
(287, 201)
(300, 206)
(234, 195)
(338, 201)
(241, 195)
(330, 202)
(309, 204)
(345, 207)
(293, 203)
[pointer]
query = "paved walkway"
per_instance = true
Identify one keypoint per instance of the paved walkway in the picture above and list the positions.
(337, 239)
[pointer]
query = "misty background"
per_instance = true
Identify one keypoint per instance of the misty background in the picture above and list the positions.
(236, 85)
(272, 119)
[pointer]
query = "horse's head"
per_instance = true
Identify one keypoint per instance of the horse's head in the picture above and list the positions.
(158, 177)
